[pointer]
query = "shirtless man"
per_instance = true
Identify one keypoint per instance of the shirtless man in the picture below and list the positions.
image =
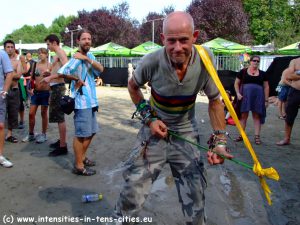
(292, 74)
(39, 93)
(57, 86)
(13, 96)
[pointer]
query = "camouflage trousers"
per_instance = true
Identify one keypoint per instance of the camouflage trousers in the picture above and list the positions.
(149, 157)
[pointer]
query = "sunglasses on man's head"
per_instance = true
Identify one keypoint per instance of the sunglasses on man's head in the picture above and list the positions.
(255, 60)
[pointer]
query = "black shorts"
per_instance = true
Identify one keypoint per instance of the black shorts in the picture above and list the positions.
(292, 107)
(56, 115)
(12, 108)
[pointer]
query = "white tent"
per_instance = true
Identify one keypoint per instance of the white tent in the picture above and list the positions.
(29, 47)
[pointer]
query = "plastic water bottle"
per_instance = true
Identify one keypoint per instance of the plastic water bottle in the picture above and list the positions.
(91, 197)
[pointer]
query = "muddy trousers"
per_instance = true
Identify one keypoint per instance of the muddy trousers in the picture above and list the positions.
(150, 156)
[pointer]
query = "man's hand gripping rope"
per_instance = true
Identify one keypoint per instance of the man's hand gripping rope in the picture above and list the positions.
(147, 115)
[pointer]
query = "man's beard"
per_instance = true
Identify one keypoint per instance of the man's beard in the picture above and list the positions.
(85, 49)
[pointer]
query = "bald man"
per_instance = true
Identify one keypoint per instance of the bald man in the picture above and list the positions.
(176, 75)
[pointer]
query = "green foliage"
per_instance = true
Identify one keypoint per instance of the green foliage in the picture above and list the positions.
(29, 34)
(37, 33)
(243, 21)
(273, 21)
(59, 24)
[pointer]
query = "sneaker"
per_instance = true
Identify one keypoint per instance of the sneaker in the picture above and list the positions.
(58, 151)
(21, 125)
(55, 144)
(5, 162)
(29, 137)
(41, 138)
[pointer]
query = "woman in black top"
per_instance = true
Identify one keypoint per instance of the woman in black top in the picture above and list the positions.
(252, 88)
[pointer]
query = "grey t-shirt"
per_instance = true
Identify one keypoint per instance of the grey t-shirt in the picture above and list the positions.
(174, 100)
(5, 67)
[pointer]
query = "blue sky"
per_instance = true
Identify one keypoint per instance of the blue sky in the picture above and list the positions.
(16, 13)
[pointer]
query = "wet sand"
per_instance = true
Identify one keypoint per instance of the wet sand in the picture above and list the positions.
(40, 186)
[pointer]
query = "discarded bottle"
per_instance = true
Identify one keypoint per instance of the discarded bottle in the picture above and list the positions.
(91, 197)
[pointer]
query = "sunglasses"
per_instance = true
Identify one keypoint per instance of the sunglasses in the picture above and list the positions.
(256, 61)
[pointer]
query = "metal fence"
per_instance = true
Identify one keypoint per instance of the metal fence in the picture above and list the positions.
(222, 62)
(118, 62)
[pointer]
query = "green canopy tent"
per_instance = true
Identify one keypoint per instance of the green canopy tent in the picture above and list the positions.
(110, 49)
(69, 51)
(222, 46)
(290, 49)
(145, 48)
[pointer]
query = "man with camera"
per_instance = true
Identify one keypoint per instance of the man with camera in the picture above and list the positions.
(81, 70)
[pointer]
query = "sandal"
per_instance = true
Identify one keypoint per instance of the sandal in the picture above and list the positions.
(282, 117)
(84, 171)
(238, 139)
(257, 139)
(88, 162)
(11, 139)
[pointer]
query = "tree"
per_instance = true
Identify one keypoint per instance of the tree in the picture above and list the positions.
(108, 26)
(37, 33)
(29, 34)
(146, 28)
(273, 21)
(59, 24)
(220, 18)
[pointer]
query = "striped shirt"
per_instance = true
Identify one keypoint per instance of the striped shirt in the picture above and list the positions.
(84, 71)
(174, 100)
(5, 67)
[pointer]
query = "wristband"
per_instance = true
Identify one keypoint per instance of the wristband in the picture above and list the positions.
(145, 112)
(92, 62)
(149, 120)
(219, 145)
(3, 94)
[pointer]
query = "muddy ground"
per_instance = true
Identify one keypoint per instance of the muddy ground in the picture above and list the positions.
(39, 186)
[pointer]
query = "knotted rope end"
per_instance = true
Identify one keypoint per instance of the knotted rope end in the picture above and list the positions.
(268, 172)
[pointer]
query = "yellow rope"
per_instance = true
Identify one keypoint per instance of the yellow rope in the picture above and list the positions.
(257, 169)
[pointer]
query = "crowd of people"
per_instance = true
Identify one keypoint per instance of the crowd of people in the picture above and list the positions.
(44, 83)
(175, 74)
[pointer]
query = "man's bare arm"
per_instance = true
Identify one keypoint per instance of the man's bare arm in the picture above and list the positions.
(216, 114)
(135, 92)
(96, 65)
(62, 56)
(19, 72)
(24, 65)
(291, 71)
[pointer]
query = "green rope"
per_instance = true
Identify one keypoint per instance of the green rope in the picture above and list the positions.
(207, 149)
